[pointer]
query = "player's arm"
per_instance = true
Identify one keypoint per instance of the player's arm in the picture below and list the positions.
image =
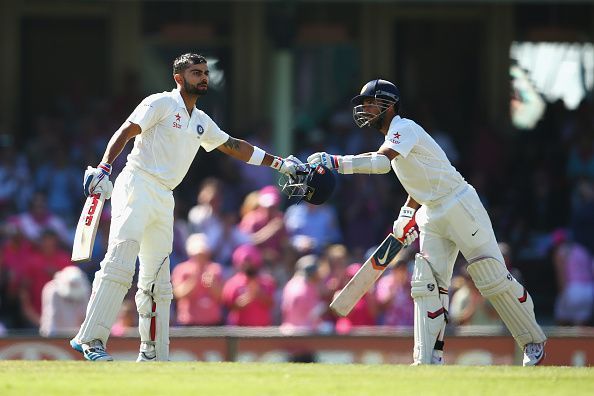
(246, 152)
(97, 179)
(119, 139)
(367, 163)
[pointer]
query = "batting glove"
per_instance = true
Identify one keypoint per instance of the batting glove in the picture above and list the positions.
(289, 166)
(96, 180)
(405, 227)
(328, 160)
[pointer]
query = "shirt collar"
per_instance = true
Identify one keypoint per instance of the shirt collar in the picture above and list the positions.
(177, 95)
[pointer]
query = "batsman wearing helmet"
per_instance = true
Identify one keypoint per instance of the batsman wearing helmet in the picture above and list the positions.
(450, 219)
(168, 130)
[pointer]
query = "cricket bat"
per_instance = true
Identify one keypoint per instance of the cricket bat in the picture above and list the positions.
(86, 229)
(371, 270)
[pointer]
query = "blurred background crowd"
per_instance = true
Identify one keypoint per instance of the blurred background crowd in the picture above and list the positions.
(243, 254)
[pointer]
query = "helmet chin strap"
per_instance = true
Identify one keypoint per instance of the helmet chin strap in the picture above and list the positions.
(377, 121)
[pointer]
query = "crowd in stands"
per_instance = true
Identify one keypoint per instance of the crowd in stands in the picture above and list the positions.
(245, 256)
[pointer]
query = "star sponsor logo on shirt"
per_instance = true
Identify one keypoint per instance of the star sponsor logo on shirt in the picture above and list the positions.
(177, 122)
(395, 138)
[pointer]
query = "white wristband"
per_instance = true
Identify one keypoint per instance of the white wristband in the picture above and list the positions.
(257, 156)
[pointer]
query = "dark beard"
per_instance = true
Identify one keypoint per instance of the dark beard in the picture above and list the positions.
(192, 90)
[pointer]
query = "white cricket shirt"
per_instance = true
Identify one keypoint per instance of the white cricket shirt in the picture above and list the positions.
(422, 166)
(170, 138)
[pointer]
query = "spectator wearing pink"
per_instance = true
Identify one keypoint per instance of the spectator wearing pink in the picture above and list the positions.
(38, 219)
(64, 302)
(49, 258)
(16, 252)
(575, 281)
(197, 285)
(302, 305)
(249, 293)
(266, 224)
(364, 313)
(393, 296)
(127, 320)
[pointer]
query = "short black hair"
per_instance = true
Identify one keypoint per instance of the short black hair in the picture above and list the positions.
(184, 61)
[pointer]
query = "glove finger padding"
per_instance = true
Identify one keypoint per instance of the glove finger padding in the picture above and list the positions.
(315, 158)
(291, 166)
(410, 236)
(328, 160)
(104, 187)
(410, 233)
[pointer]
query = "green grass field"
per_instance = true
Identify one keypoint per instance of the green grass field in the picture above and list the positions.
(222, 379)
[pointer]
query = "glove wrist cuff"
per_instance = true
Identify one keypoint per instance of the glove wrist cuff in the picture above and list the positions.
(406, 211)
(277, 163)
(105, 168)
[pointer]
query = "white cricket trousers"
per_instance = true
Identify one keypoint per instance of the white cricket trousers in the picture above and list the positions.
(142, 211)
(456, 223)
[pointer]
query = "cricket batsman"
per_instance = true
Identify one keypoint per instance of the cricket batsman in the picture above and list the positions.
(168, 130)
(450, 219)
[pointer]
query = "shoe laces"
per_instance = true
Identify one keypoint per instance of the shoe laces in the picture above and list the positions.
(533, 348)
(97, 345)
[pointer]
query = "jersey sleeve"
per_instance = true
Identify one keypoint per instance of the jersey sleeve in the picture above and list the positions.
(401, 138)
(151, 111)
(213, 135)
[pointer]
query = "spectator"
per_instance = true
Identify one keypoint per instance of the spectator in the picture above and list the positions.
(333, 264)
(64, 302)
(266, 226)
(469, 307)
(573, 263)
(47, 259)
(249, 293)
(15, 188)
(302, 305)
(60, 182)
(364, 313)
(312, 227)
(197, 285)
(38, 218)
(208, 218)
(393, 296)
(16, 252)
(582, 214)
(126, 320)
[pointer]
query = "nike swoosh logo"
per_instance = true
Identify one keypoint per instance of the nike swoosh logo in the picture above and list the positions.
(382, 261)
(474, 233)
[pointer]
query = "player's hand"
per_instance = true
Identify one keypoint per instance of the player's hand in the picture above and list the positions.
(96, 180)
(289, 166)
(328, 160)
(405, 227)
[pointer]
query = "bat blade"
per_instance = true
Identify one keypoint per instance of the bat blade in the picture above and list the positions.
(371, 270)
(86, 229)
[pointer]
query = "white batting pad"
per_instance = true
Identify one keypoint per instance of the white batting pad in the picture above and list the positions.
(430, 314)
(153, 306)
(510, 299)
(110, 286)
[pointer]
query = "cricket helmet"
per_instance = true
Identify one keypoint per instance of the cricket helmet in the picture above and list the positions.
(313, 184)
(385, 94)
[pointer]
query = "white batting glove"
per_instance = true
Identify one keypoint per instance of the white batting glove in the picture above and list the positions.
(405, 227)
(288, 166)
(328, 160)
(96, 180)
